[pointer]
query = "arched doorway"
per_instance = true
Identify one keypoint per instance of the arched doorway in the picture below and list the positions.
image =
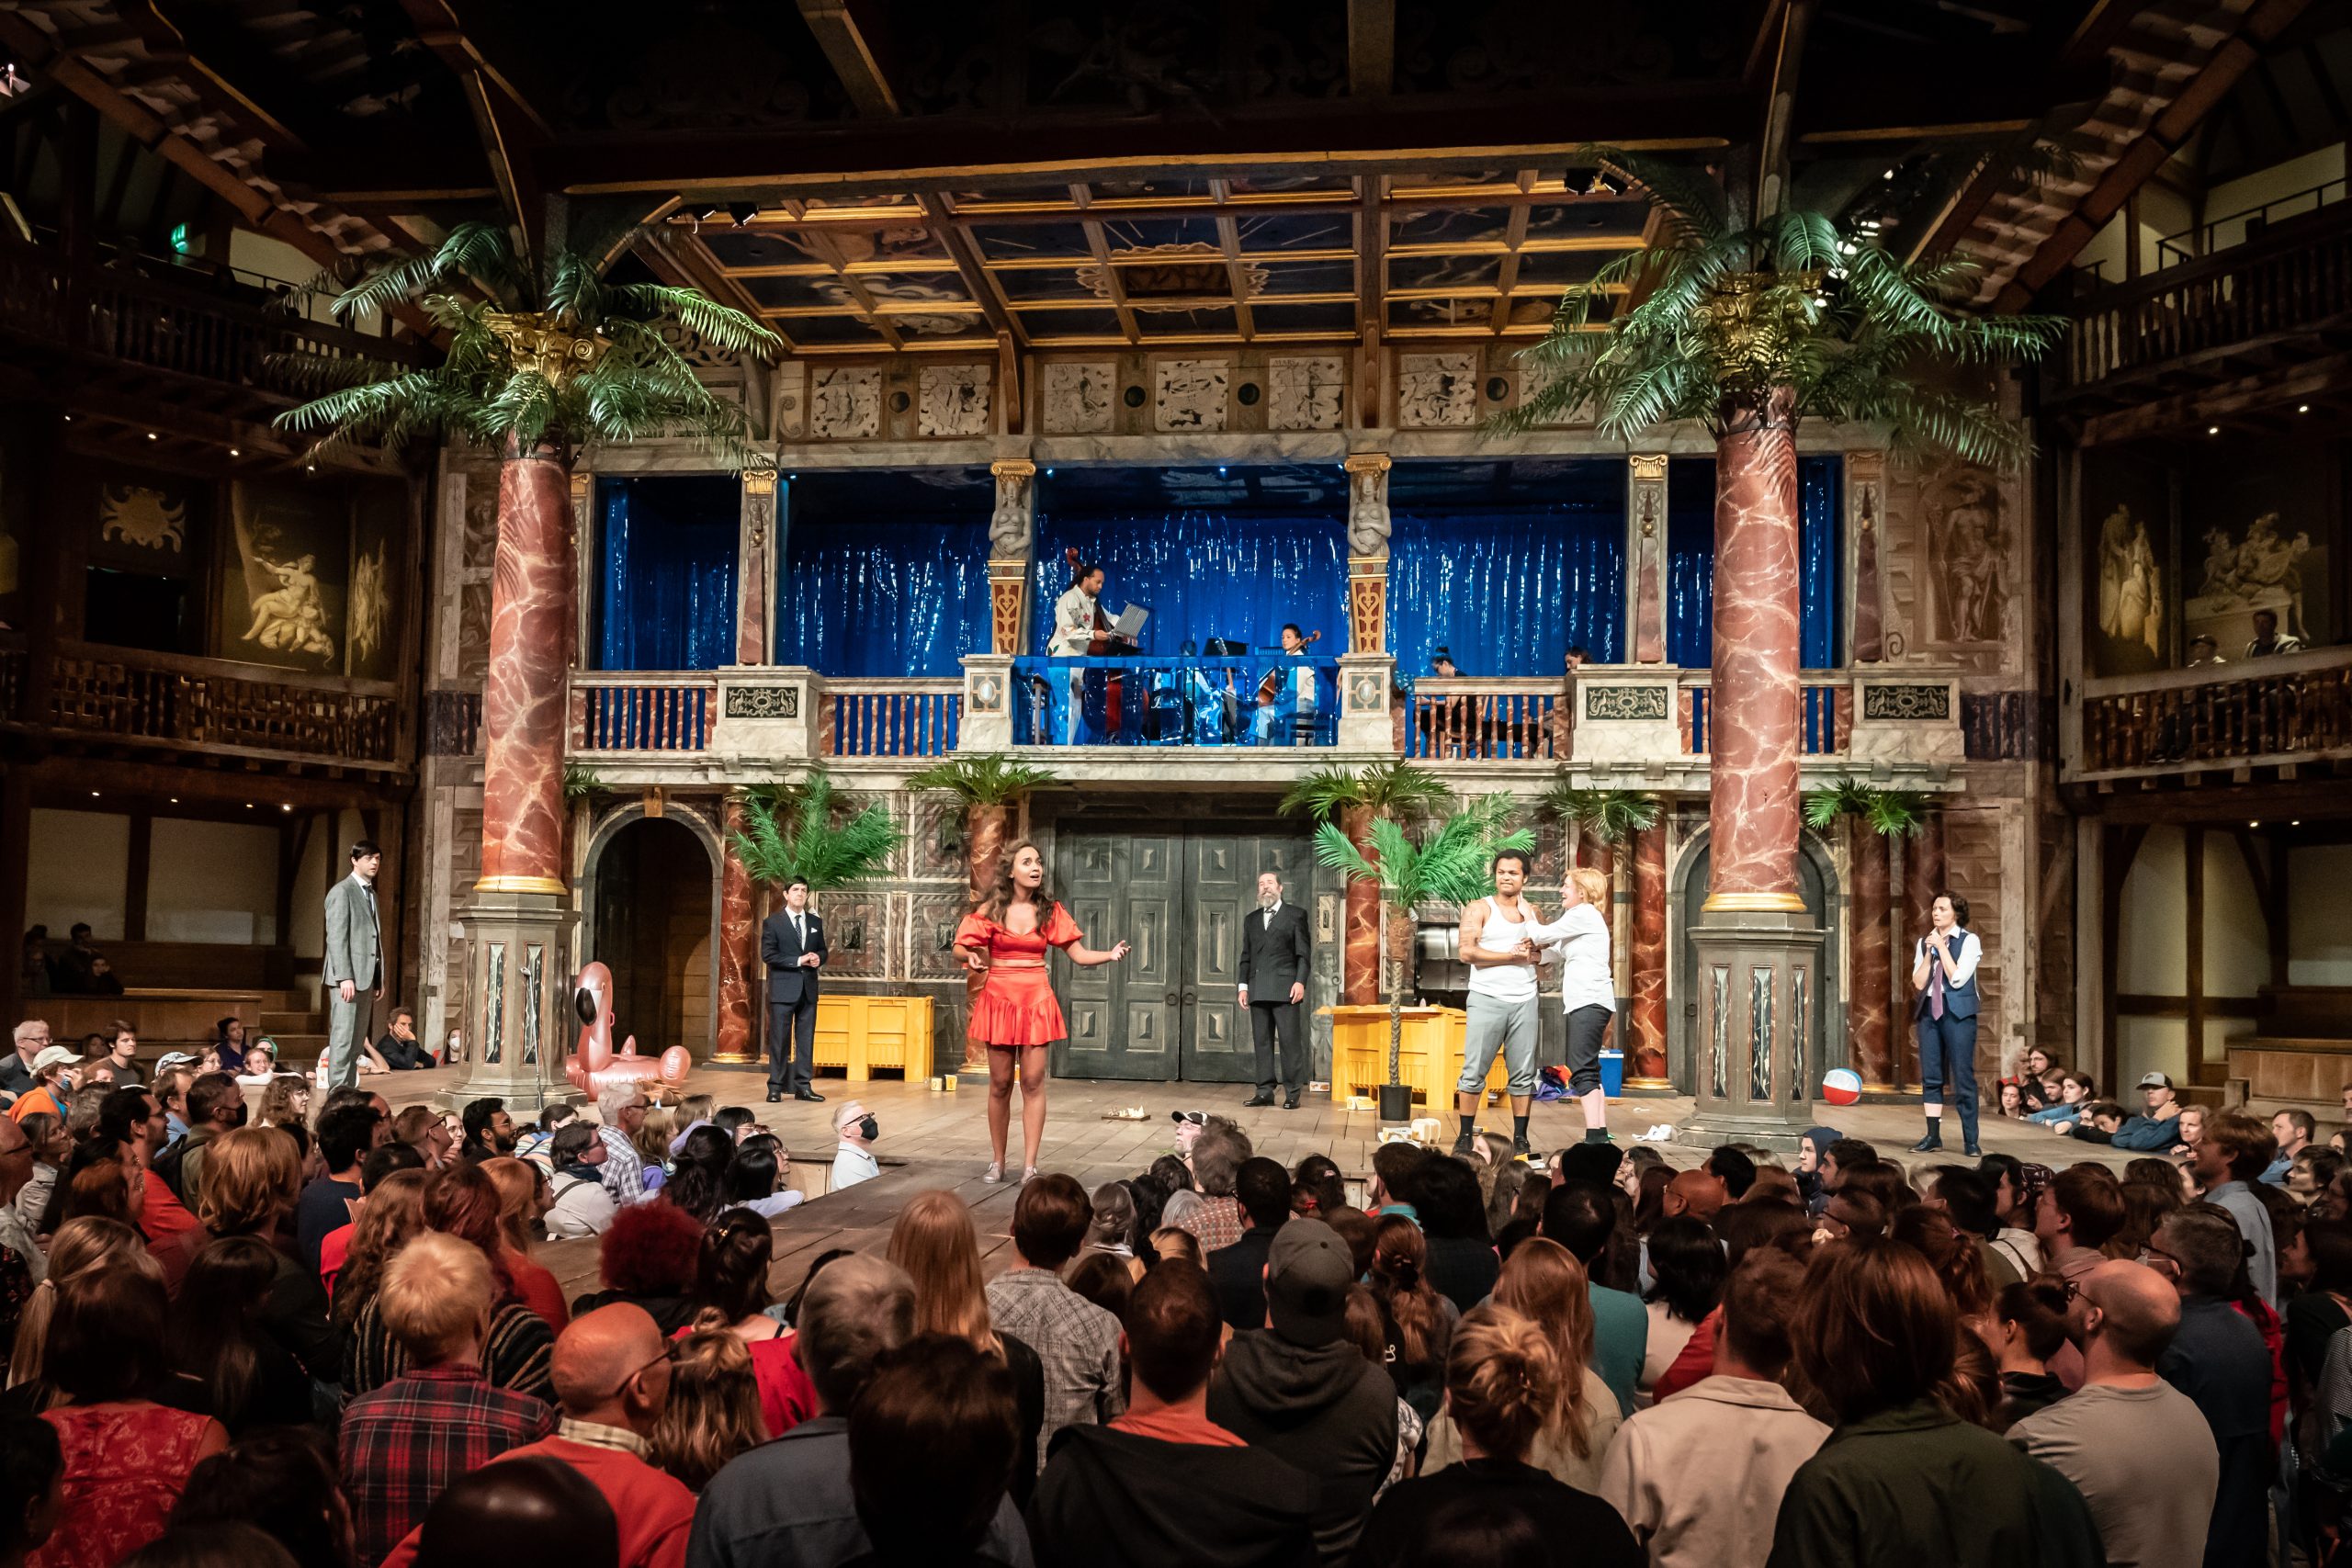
(1823, 905)
(651, 921)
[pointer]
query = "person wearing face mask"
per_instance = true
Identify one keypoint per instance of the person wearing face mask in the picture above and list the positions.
(216, 1104)
(855, 1162)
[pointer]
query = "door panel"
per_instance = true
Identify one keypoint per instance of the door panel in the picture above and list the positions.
(1170, 1010)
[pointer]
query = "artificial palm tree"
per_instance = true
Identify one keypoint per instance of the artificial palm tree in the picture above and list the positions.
(1394, 789)
(987, 786)
(802, 840)
(1889, 813)
(1748, 328)
(1448, 865)
(531, 363)
(1607, 816)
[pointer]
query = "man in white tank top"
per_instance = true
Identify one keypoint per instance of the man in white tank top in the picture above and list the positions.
(1495, 942)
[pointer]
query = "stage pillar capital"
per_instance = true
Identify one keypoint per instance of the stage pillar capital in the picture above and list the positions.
(759, 481)
(1366, 681)
(1367, 463)
(1013, 467)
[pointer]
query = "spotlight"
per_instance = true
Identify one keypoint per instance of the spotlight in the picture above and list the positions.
(94, 795)
(1049, 473)
(2302, 408)
(285, 809)
(1888, 176)
(2254, 824)
(234, 452)
(2213, 430)
(150, 436)
(1220, 470)
(742, 211)
(705, 213)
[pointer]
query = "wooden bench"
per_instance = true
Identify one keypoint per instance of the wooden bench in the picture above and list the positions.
(166, 1020)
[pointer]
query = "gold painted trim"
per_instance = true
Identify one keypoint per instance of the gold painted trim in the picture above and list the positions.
(759, 481)
(522, 884)
(1751, 902)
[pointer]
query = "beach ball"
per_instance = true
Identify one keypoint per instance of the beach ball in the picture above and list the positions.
(1841, 1085)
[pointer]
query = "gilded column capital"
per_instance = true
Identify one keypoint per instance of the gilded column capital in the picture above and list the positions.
(1013, 467)
(759, 481)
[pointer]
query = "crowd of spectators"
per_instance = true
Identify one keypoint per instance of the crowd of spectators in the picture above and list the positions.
(321, 1336)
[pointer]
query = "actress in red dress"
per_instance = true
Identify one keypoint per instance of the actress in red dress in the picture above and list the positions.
(1005, 937)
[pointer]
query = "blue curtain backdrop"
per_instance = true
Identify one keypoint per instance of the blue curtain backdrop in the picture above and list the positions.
(1509, 590)
(1232, 574)
(902, 595)
(1691, 561)
(666, 588)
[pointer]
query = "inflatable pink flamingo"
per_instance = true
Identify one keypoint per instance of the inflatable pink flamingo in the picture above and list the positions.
(595, 1065)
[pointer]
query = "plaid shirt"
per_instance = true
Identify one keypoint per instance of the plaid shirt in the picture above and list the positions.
(1077, 1341)
(1216, 1223)
(624, 1171)
(403, 1443)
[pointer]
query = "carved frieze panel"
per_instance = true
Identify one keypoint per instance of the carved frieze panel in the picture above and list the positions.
(1306, 393)
(1625, 702)
(1924, 702)
(1079, 397)
(845, 402)
(952, 399)
(1190, 394)
(763, 702)
(1437, 390)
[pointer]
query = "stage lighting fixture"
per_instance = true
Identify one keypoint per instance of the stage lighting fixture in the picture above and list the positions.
(742, 211)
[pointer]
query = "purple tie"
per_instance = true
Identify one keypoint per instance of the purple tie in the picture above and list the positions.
(1935, 978)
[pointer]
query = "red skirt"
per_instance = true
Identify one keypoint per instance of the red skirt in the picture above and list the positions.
(1016, 1007)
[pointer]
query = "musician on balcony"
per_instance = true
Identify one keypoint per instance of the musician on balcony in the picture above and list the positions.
(1286, 696)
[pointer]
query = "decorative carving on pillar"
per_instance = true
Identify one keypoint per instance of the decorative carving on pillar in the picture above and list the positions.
(1648, 472)
(1368, 606)
(524, 699)
(1368, 524)
(758, 534)
(1865, 505)
(1011, 535)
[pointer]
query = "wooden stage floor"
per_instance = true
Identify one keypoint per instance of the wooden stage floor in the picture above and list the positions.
(932, 1140)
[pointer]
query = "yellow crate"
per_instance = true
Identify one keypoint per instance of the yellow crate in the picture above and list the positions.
(1430, 1058)
(859, 1033)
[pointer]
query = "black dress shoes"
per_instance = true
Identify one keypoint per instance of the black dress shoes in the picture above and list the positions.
(1261, 1097)
(1290, 1100)
(808, 1094)
(773, 1097)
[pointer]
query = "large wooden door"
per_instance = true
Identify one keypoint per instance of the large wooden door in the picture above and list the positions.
(1173, 1009)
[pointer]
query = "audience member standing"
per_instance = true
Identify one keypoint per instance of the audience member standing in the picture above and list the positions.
(1902, 1479)
(1077, 1342)
(1163, 1486)
(583, 1205)
(1502, 1382)
(788, 1504)
(2226, 1162)
(2135, 1446)
(1696, 1476)
(405, 1441)
(2217, 1359)
(612, 1378)
(1302, 1392)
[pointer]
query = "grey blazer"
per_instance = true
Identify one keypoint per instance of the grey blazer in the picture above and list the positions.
(353, 951)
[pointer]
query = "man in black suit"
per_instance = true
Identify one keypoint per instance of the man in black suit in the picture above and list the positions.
(1274, 983)
(792, 945)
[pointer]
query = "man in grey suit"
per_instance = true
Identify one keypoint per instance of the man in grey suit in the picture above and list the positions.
(354, 971)
(1275, 950)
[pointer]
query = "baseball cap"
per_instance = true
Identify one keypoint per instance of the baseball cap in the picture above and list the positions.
(55, 1056)
(170, 1059)
(2154, 1080)
(1308, 1270)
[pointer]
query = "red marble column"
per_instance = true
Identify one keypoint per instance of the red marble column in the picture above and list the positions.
(1869, 1014)
(523, 696)
(1923, 878)
(1360, 945)
(1752, 766)
(738, 951)
(1648, 955)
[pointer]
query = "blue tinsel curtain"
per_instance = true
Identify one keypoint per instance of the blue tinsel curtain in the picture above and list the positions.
(666, 588)
(904, 595)
(1508, 590)
(1691, 561)
(1237, 575)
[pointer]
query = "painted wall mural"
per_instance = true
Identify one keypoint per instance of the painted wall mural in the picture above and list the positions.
(2258, 533)
(284, 589)
(2128, 546)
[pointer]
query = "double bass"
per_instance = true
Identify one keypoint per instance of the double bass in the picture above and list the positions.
(1273, 681)
(1103, 643)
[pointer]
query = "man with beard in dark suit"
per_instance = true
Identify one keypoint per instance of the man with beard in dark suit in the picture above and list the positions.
(1274, 956)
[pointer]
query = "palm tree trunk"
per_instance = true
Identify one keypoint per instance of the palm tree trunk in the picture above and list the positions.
(1360, 950)
(983, 852)
(522, 709)
(1756, 707)
(1396, 1010)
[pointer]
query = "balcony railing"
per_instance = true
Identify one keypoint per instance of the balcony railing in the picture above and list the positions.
(2293, 707)
(878, 718)
(627, 712)
(1484, 718)
(2296, 277)
(1826, 720)
(166, 700)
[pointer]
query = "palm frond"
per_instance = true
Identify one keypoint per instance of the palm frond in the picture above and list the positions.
(803, 840)
(1690, 203)
(1890, 813)
(721, 326)
(991, 778)
(483, 252)
(1611, 815)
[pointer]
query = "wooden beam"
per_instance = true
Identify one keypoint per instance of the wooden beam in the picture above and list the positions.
(969, 264)
(137, 877)
(1113, 284)
(2154, 147)
(2193, 969)
(1514, 236)
(2221, 404)
(1779, 109)
(846, 31)
(441, 30)
(1236, 276)
(1372, 47)
(823, 248)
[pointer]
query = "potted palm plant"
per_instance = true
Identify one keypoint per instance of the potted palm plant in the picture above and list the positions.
(988, 786)
(1446, 865)
(1354, 797)
(790, 830)
(1609, 815)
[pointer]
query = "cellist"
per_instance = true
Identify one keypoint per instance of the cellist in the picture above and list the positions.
(1286, 696)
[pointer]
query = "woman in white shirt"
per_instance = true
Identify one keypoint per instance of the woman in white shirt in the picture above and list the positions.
(1588, 988)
